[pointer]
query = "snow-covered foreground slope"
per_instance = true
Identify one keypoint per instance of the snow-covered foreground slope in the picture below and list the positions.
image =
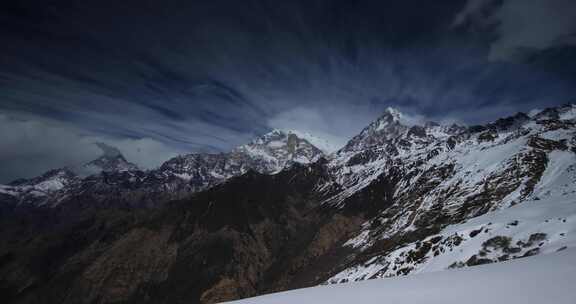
(541, 279)
(533, 227)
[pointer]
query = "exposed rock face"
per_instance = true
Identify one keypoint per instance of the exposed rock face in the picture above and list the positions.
(218, 245)
(378, 133)
(140, 256)
(274, 214)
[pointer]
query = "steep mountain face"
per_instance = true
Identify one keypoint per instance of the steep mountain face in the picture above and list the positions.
(267, 154)
(438, 180)
(277, 150)
(378, 133)
(274, 214)
(381, 151)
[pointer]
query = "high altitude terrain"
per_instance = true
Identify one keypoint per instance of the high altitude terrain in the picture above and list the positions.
(279, 213)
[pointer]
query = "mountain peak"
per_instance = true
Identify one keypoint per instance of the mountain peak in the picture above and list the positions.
(54, 179)
(394, 113)
(110, 160)
(391, 116)
(515, 120)
(380, 131)
(563, 112)
(326, 143)
(108, 150)
(281, 139)
(279, 148)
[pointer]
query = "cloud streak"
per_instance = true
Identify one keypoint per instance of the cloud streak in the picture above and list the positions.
(523, 25)
(205, 76)
(31, 146)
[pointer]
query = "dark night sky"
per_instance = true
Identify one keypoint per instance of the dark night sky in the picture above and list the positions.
(160, 78)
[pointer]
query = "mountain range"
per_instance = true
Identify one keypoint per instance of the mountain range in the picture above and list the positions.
(281, 212)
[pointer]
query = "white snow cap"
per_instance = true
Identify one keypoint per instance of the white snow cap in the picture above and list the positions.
(324, 144)
(395, 113)
(390, 116)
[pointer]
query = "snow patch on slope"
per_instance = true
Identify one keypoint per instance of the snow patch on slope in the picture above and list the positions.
(552, 220)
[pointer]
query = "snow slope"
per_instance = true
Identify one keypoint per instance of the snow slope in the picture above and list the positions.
(533, 227)
(540, 279)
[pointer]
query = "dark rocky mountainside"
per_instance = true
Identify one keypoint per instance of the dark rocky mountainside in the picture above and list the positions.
(278, 214)
(218, 245)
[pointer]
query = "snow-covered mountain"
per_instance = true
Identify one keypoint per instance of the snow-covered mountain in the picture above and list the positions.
(326, 145)
(52, 180)
(53, 186)
(458, 197)
(267, 154)
(38, 190)
(277, 213)
(111, 160)
(175, 178)
(382, 148)
(380, 132)
(278, 149)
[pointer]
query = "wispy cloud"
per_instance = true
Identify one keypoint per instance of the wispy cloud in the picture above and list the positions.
(189, 76)
(523, 25)
(32, 145)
